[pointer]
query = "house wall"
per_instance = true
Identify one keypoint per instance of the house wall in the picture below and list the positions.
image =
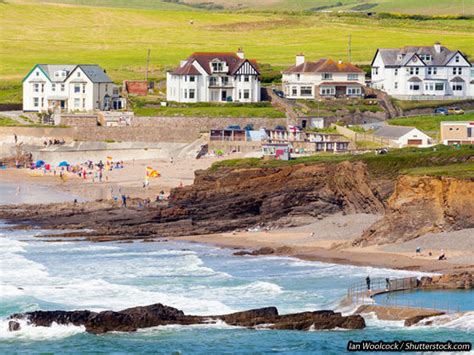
(457, 132)
(291, 81)
(414, 134)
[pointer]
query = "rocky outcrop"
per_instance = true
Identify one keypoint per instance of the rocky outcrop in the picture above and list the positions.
(417, 319)
(223, 200)
(131, 319)
(422, 204)
(462, 280)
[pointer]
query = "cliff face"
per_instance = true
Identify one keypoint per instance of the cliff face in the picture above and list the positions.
(232, 198)
(423, 204)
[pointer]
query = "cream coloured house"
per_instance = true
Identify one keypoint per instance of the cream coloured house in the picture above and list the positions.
(322, 79)
(69, 88)
(457, 132)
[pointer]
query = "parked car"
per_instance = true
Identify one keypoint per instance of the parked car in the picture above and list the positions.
(456, 111)
(233, 127)
(280, 128)
(249, 127)
(441, 111)
(279, 93)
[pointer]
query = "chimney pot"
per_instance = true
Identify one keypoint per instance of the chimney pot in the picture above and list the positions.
(240, 53)
(300, 59)
(437, 47)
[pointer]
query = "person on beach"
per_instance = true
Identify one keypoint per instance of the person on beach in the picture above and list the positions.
(367, 280)
(171, 160)
(124, 201)
(387, 284)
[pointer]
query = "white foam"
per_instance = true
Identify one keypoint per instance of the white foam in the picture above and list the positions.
(460, 321)
(31, 332)
(371, 320)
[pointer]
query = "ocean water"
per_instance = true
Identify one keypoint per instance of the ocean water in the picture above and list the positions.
(197, 279)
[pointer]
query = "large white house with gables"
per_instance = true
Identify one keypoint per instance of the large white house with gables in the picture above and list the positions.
(69, 88)
(425, 72)
(324, 78)
(214, 77)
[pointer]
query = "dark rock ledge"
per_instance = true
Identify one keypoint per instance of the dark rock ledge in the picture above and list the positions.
(131, 319)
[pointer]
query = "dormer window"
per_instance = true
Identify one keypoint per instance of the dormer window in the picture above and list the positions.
(217, 66)
(426, 57)
(327, 76)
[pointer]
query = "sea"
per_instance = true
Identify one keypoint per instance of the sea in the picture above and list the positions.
(199, 279)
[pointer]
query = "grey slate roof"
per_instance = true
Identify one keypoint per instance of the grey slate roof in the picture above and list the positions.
(392, 132)
(390, 56)
(93, 71)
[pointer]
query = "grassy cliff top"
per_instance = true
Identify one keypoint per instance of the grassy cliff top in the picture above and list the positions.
(390, 165)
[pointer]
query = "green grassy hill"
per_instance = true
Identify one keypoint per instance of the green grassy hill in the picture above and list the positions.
(426, 7)
(118, 38)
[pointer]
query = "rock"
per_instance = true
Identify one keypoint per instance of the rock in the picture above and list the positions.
(13, 326)
(131, 319)
(423, 204)
(416, 319)
(463, 280)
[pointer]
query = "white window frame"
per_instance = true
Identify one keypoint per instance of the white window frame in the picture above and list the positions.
(327, 76)
(352, 76)
(36, 101)
(192, 93)
(306, 91)
(246, 94)
(35, 87)
(77, 102)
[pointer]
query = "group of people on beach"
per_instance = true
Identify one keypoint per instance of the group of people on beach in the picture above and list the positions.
(53, 141)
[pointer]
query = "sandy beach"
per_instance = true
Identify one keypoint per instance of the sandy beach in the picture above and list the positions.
(329, 239)
(128, 179)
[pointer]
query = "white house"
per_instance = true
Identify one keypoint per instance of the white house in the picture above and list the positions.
(214, 77)
(324, 78)
(404, 136)
(52, 87)
(425, 72)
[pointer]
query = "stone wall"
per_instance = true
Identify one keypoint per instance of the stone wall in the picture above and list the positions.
(80, 120)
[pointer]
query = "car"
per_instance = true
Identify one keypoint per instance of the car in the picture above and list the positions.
(456, 111)
(236, 127)
(280, 128)
(279, 93)
(441, 111)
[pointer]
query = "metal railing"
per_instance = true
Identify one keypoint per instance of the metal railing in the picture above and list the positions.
(361, 293)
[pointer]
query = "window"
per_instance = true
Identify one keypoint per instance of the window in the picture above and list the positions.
(37, 73)
(53, 87)
(246, 94)
(457, 59)
(225, 80)
(439, 87)
(192, 93)
(432, 71)
(470, 132)
(35, 87)
(306, 91)
(353, 91)
(375, 71)
(327, 76)
(414, 71)
(414, 87)
(328, 91)
(185, 93)
(294, 91)
(352, 76)
(42, 101)
(217, 66)
(213, 80)
(457, 87)
(246, 78)
(42, 87)
(83, 103)
(78, 74)
(298, 76)
(426, 57)
(429, 87)
(457, 71)
(77, 103)
(77, 88)
(396, 72)
(240, 94)
(63, 87)
(83, 88)
(106, 87)
(395, 85)
(35, 101)
(192, 79)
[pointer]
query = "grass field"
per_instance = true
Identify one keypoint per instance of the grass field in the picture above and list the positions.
(462, 170)
(429, 124)
(211, 111)
(118, 39)
(6, 121)
(428, 7)
(407, 105)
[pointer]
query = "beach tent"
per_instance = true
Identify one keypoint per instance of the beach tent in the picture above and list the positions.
(150, 172)
(39, 163)
(63, 163)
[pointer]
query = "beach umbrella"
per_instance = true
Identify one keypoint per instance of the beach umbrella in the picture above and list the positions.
(40, 163)
(63, 163)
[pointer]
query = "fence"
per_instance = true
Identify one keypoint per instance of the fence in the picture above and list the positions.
(431, 97)
(359, 294)
(360, 136)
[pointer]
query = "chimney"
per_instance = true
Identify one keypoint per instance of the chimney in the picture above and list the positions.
(437, 47)
(299, 59)
(240, 53)
(182, 63)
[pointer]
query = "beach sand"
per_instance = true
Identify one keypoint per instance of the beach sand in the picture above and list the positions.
(331, 243)
(129, 179)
